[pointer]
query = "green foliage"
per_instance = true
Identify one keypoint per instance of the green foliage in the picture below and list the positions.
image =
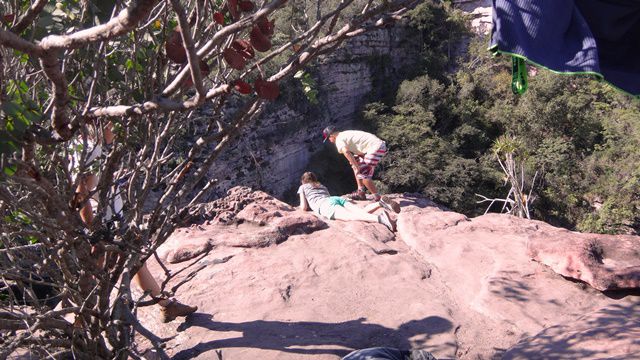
(580, 135)
(442, 27)
(611, 218)
(19, 219)
(507, 145)
(309, 86)
(435, 133)
(17, 114)
(422, 156)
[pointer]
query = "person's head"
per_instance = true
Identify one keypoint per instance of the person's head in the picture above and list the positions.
(329, 133)
(309, 178)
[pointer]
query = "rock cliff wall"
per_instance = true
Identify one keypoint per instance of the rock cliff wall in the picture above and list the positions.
(275, 150)
(480, 11)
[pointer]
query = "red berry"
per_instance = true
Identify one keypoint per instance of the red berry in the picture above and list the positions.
(234, 59)
(242, 87)
(268, 90)
(218, 17)
(246, 5)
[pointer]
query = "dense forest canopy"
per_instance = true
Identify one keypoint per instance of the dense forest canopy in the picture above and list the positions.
(580, 136)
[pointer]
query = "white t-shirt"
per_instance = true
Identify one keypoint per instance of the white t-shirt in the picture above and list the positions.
(357, 142)
(315, 195)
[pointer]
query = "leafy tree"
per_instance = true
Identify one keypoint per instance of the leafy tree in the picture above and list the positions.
(425, 148)
(614, 176)
(149, 71)
(442, 28)
(435, 134)
(579, 135)
(511, 155)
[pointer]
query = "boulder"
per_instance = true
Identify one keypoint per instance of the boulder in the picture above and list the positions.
(605, 262)
(273, 282)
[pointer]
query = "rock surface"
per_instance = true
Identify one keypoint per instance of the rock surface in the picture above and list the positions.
(273, 282)
(480, 12)
(605, 262)
(612, 332)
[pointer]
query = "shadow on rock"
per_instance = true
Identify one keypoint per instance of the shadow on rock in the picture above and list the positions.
(418, 200)
(505, 285)
(612, 332)
(621, 294)
(301, 337)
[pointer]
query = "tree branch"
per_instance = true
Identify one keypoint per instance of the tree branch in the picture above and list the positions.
(220, 36)
(126, 21)
(187, 41)
(29, 16)
(15, 42)
(161, 105)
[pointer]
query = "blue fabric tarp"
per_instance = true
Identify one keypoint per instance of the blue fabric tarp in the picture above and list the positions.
(601, 37)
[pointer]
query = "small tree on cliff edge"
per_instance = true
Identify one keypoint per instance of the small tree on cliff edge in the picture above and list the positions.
(72, 69)
(510, 153)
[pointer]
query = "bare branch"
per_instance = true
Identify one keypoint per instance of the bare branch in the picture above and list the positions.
(59, 117)
(126, 21)
(146, 167)
(219, 37)
(29, 16)
(162, 105)
(187, 40)
(13, 41)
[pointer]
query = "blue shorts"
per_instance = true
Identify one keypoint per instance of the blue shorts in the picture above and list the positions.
(328, 207)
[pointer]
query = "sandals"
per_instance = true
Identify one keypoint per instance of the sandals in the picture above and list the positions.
(357, 195)
(173, 309)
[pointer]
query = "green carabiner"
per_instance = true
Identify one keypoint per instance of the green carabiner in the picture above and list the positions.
(519, 75)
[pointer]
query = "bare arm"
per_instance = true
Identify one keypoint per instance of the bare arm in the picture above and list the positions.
(304, 205)
(351, 159)
(108, 133)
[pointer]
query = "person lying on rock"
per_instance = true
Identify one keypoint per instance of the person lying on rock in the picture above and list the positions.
(315, 196)
(363, 151)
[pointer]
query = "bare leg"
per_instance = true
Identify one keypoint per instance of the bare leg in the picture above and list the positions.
(147, 282)
(85, 186)
(353, 212)
(108, 133)
(371, 208)
(370, 185)
(358, 180)
(170, 308)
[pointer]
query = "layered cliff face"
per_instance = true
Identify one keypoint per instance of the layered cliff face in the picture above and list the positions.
(275, 150)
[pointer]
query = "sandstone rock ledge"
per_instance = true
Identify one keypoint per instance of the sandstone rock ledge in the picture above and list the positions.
(279, 283)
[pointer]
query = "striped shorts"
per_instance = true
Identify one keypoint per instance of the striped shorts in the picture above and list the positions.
(367, 163)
